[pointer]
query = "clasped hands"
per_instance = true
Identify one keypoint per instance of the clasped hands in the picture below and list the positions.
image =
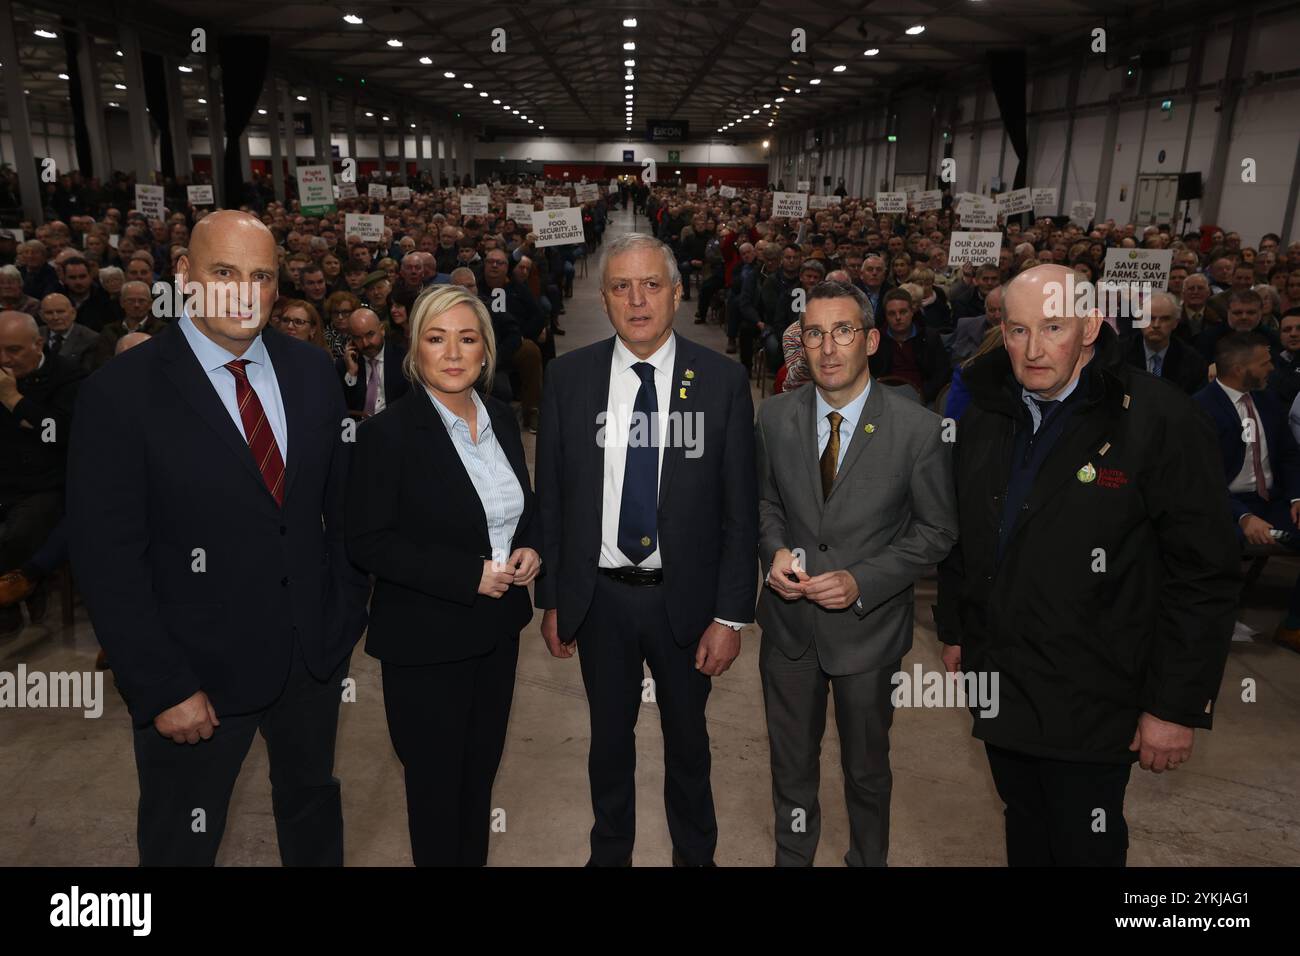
(519, 569)
(833, 590)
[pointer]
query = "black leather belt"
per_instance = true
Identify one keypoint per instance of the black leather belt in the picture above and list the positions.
(636, 577)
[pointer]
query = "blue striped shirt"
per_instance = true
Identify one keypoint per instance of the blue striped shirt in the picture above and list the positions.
(490, 472)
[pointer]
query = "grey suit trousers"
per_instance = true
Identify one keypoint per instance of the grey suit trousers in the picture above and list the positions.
(794, 698)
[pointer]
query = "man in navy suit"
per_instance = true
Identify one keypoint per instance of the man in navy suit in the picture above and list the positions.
(371, 366)
(205, 493)
(1261, 462)
(648, 500)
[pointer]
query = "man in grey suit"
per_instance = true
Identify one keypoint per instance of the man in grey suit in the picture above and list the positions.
(63, 335)
(971, 330)
(856, 502)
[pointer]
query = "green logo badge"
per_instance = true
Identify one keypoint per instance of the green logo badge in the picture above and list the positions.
(1087, 473)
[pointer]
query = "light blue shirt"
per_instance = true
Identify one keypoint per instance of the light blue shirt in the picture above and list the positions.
(850, 412)
(1026, 396)
(261, 376)
(490, 472)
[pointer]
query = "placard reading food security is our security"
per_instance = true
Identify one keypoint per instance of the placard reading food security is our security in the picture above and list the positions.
(472, 204)
(520, 212)
(366, 228)
(558, 227)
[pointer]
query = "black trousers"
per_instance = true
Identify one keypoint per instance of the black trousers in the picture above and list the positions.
(626, 628)
(178, 780)
(25, 522)
(448, 726)
(1061, 812)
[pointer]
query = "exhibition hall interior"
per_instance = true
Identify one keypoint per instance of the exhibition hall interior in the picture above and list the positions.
(660, 434)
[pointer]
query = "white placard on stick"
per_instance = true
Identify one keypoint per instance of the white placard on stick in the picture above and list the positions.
(520, 212)
(199, 195)
(1083, 213)
(1139, 266)
(927, 200)
(1015, 202)
(401, 194)
(315, 191)
(803, 185)
(727, 192)
(822, 202)
(364, 227)
(472, 204)
(1045, 201)
(558, 227)
(975, 248)
(555, 202)
(977, 212)
(18, 236)
(377, 191)
(149, 201)
(692, 188)
(483, 189)
(891, 202)
(524, 193)
(347, 190)
(586, 192)
(790, 205)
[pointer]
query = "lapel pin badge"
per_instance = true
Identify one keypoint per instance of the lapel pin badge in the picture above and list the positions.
(690, 374)
(1087, 473)
(681, 392)
(869, 428)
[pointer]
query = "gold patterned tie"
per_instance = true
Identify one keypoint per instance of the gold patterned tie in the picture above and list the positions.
(831, 456)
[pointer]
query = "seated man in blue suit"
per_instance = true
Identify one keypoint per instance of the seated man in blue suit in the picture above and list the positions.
(1261, 461)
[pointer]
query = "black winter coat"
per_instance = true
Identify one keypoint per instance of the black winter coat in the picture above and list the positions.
(1116, 591)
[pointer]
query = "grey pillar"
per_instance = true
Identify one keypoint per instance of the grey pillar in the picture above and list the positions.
(141, 137)
(290, 129)
(1071, 101)
(1107, 158)
(402, 129)
(273, 129)
(92, 106)
(980, 99)
(379, 129)
(471, 141)
(176, 119)
(245, 158)
(1223, 136)
(19, 125)
(216, 149)
(435, 130)
(320, 123)
(350, 125)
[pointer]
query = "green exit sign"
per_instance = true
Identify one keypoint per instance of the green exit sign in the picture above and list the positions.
(892, 138)
(674, 155)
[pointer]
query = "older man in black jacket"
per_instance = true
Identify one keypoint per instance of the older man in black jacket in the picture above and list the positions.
(1095, 576)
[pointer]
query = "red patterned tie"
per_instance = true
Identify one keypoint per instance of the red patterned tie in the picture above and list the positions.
(261, 441)
(1257, 457)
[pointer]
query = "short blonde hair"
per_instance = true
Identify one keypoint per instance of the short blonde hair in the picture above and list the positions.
(430, 304)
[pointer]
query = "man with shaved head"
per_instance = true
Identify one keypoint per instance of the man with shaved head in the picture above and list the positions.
(205, 505)
(1095, 579)
(371, 366)
(37, 393)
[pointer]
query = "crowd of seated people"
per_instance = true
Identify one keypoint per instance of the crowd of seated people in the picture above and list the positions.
(88, 283)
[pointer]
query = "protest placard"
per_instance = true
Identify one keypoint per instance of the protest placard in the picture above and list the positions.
(975, 248)
(364, 227)
(200, 195)
(149, 201)
(557, 227)
(891, 202)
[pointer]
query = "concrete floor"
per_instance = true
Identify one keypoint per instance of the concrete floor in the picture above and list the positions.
(68, 795)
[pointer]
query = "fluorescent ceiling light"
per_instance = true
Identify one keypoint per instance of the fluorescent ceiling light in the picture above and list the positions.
(352, 18)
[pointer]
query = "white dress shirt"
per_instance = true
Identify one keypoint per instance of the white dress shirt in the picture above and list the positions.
(490, 472)
(350, 380)
(261, 376)
(1244, 483)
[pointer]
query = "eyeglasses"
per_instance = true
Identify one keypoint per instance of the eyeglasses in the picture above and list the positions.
(341, 312)
(841, 335)
(295, 323)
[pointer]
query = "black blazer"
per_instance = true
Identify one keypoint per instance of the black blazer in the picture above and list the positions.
(1283, 455)
(708, 505)
(415, 521)
(1183, 365)
(395, 383)
(157, 470)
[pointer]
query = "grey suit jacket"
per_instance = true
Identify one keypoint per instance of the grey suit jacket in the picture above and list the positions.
(891, 515)
(81, 345)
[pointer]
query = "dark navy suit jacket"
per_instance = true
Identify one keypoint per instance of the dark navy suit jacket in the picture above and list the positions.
(1283, 454)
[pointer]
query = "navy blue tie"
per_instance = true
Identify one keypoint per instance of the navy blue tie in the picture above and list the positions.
(1044, 410)
(637, 514)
